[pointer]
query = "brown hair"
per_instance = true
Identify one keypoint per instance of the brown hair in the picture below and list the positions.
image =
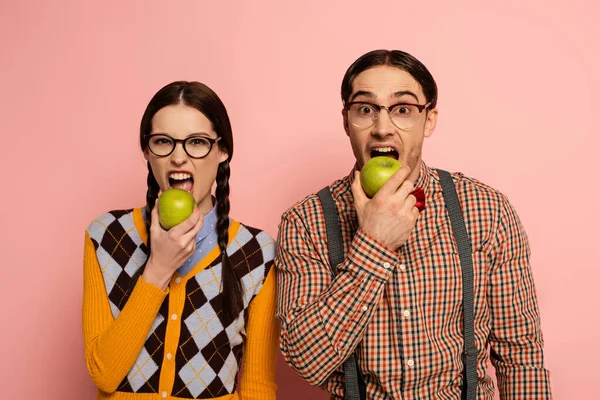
(205, 100)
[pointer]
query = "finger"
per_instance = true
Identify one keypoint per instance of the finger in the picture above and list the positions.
(191, 247)
(154, 219)
(191, 234)
(410, 202)
(395, 181)
(419, 194)
(415, 212)
(404, 191)
(358, 193)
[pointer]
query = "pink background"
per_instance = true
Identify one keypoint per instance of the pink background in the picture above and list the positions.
(518, 83)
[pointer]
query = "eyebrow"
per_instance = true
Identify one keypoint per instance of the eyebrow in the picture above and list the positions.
(372, 96)
(362, 93)
(406, 93)
(188, 136)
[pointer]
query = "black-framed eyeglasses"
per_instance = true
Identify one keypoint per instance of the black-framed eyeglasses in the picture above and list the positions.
(404, 116)
(162, 145)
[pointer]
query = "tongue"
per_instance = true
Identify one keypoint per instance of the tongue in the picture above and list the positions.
(185, 184)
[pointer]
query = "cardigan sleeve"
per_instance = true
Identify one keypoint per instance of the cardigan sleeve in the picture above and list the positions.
(260, 354)
(112, 345)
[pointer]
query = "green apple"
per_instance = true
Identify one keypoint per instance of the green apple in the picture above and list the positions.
(174, 207)
(376, 173)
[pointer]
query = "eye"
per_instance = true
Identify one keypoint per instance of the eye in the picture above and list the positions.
(403, 109)
(161, 140)
(197, 141)
(364, 109)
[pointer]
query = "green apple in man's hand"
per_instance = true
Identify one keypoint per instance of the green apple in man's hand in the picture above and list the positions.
(376, 173)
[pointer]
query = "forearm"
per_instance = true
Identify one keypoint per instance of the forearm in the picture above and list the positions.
(320, 330)
(112, 345)
(260, 354)
(517, 350)
(516, 336)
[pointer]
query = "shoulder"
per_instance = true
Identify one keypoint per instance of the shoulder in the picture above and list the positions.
(480, 201)
(469, 188)
(117, 222)
(309, 208)
(253, 244)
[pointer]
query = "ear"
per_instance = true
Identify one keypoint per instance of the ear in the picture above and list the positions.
(430, 122)
(146, 155)
(223, 154)
(345, 116)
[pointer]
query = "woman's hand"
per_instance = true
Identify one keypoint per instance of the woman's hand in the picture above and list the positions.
(170, 249)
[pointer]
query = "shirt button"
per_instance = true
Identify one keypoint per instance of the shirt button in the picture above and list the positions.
(386, 265)
(406, 313)
(402, 267)
(174, 317)
(168, 356)
(410, 362)
(164, 395)
(177, 280)
(365, 308)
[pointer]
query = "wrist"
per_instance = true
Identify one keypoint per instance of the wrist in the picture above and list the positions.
(152, 276)
(381, 241)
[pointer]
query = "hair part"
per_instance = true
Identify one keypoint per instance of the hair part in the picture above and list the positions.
(392, 58)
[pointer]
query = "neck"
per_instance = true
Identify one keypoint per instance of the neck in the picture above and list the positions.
(205, 205)
(414, 174)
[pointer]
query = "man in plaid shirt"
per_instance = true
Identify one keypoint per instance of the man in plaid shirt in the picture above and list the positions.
(396, 300)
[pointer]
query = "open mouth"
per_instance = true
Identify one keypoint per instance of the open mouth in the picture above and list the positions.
(385, 152)
(179, 180)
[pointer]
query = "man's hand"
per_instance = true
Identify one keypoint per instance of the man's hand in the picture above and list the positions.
(390, 216)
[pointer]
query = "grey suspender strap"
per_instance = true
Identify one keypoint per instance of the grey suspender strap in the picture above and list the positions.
(336, 257)
(466, 262)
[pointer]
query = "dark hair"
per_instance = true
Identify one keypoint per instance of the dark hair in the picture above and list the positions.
(202, 98)
(393, 58)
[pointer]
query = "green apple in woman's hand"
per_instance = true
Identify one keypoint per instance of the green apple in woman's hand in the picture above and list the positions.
(174, 207)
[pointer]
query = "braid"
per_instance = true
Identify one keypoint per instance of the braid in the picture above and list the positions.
(151, 196)
(232, 289)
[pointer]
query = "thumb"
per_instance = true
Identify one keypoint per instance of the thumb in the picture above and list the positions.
(360, 198)
(155, 217)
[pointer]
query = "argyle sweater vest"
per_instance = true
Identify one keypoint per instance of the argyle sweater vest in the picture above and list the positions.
(210, 345)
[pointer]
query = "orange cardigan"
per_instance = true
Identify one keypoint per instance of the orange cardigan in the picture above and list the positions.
(115, 346)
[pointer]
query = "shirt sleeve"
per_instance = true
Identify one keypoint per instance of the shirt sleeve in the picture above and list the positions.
(323, 318)
(257, 381)
(516, 337)
(112, 345)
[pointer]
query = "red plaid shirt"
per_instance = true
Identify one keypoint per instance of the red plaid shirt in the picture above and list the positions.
(402, 310)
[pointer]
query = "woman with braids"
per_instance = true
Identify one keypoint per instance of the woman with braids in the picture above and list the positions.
(180, 313)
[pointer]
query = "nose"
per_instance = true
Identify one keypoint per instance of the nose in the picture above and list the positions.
(383, 124)
(179, 156)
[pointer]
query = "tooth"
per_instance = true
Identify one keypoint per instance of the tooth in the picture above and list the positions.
(384, 149)
(179, 176)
